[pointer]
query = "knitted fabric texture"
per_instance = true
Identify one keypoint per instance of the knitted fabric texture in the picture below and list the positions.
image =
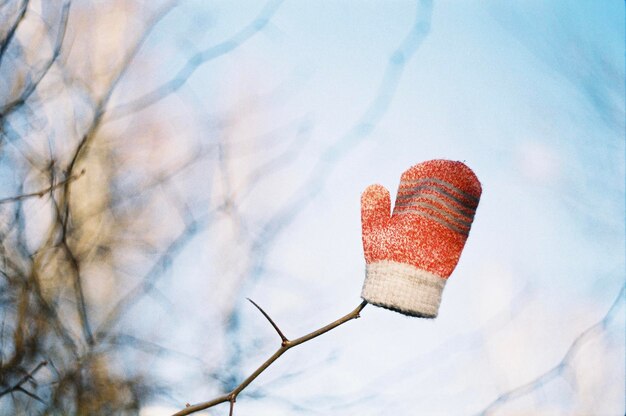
(410, 254)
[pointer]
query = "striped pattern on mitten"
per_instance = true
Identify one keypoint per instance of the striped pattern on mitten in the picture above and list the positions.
(411, 254)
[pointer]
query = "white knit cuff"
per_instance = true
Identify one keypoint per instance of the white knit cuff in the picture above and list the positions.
(403, 288)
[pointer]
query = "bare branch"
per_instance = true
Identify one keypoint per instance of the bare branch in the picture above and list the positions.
(285, 346)
(81, 304)
(28, 91)
(42, 192)
(283, 338)
(149, 280)
(232, 407)
(28, 376)
(196, 61)
(11, 33)
(104, 100)
(557, 369)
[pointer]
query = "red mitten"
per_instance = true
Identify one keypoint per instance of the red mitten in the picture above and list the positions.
(411, 254)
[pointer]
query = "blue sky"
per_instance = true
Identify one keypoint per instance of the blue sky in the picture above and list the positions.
(531, 96)
(260, 123)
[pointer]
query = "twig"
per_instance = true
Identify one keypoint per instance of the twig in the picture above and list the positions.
(197, 60)
(285, 345)
(552, 373)
(150, 278)
(18, 385)
(232, 407)
(42, 192)
(30, 89)
(11, 33)
(81, 304)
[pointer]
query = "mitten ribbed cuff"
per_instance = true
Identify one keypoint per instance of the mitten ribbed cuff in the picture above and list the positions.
(403, 288)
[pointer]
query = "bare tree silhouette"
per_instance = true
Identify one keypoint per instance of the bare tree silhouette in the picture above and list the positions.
(94, 175)
(97, 210)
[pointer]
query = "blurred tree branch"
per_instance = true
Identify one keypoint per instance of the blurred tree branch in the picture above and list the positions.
(12, 28)
(562, 365)
(198, 59)
(42, 192)
(77, 268)
(18, 386)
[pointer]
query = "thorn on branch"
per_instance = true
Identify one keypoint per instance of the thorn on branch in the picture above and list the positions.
(280, 334)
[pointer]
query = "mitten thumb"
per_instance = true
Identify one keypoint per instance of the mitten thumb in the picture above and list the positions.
(375, 207)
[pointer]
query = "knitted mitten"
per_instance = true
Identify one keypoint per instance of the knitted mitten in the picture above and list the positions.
(411, 253)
